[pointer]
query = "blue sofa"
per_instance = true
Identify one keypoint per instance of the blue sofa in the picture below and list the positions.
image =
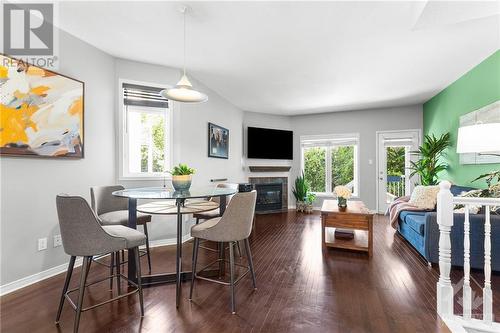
(421, 230)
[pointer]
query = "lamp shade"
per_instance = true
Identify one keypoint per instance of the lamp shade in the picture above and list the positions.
(183, 92)
(479, 138)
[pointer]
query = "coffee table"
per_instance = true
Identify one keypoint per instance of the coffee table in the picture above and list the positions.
(356, 216)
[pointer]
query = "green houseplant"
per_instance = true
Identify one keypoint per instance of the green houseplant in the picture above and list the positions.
(300, 192)
(428, 166)
(308, 203)
(182, 177)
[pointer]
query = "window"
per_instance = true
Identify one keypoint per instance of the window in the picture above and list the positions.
(329, 161)
(146, 132)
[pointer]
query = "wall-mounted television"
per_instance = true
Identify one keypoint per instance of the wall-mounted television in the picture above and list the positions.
(267, 143)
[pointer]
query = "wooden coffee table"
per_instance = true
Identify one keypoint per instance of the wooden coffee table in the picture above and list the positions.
(356, 217)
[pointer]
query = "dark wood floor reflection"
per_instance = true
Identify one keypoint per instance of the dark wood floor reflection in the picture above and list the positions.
(300, 289)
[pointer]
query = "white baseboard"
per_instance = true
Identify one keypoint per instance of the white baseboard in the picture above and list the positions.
(37, 277)
(29, 280)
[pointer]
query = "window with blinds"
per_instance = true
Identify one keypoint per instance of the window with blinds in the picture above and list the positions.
(137, 95)
(146, 147)
(329, 161)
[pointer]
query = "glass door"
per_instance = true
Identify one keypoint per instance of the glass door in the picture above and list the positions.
(393, 174)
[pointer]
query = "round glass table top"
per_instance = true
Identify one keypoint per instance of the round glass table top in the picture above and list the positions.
(166, 193)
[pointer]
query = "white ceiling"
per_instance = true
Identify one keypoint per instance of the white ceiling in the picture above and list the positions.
(293, 58)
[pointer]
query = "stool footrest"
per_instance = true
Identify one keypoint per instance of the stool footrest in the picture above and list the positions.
(121, 276)
(197, 276)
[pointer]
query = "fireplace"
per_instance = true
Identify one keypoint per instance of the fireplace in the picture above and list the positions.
(269, 197)
(272, 194)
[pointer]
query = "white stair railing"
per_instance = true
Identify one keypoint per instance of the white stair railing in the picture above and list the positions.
(445, 205)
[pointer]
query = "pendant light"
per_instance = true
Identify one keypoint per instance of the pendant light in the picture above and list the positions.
(183, 91)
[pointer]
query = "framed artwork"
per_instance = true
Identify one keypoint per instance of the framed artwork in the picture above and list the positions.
(218, 141)
(41, 112)
(487, 114)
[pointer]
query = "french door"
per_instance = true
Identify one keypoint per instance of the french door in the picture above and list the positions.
(393, 162)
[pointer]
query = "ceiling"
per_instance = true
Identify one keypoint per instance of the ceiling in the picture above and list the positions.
(292, 58)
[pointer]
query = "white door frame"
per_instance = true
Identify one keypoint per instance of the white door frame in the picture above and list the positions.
(377, 172)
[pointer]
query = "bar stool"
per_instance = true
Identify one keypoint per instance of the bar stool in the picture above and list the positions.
(216, 212)
(83, 236)
(234, 225)
(113, 210)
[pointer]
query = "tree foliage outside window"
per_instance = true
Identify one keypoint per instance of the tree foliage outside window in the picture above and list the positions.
(158, 132)
(343, 166)
(318, 172)
(315, 168)
(395, 161)
(153, 138)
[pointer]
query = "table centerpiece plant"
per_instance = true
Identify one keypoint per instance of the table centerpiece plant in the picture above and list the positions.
(343, 193)
(182, 177)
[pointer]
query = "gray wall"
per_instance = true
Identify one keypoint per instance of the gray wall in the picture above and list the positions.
(364, 122)
(29, 186)
(190, 136)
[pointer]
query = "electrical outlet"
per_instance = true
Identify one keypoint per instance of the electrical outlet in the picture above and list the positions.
(42, 244)
(57, 240)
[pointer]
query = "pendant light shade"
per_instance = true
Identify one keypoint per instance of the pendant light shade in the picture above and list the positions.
(183, 91)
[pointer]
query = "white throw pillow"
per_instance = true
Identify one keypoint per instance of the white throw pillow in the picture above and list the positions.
(424, 197)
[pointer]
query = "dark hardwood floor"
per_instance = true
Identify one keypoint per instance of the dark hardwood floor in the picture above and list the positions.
(300, 289)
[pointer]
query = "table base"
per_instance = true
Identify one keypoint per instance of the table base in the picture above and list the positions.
(165, 278)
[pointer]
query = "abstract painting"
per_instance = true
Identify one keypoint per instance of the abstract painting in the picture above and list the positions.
(218, 141)
(41, 112)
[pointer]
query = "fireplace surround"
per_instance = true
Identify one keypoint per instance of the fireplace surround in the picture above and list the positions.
(272, 194)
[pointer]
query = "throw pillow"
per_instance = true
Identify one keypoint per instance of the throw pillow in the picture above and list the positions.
(424, 197)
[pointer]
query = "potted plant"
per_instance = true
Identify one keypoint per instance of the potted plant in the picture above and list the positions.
(428, 165)
(343, 193)
(300, 192)
(181, 177)
(308, 204)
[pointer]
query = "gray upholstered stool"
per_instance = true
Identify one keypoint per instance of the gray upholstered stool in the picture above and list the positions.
(216, 212)
(234, 225)
(84, 236)
(113, 210)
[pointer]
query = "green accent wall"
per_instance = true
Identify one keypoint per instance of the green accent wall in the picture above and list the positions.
(475, 89)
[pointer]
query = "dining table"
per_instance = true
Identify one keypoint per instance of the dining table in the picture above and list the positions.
(165, 201)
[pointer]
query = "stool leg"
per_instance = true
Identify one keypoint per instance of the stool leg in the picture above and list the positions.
(196, 244)
(231, 268)
(118, 272)
(250, 262)
(147, 246)
(139, 282)
(81, 292)
(111, 270)
(65, 288)
(88, 267)
(238, 247)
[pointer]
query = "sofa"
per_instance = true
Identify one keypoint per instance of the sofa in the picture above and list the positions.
(421, 230)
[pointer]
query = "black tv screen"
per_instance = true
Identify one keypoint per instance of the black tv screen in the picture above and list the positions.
(270, 143)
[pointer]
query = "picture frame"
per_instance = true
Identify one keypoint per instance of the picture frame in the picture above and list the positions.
(218, 141)
(42, 112)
